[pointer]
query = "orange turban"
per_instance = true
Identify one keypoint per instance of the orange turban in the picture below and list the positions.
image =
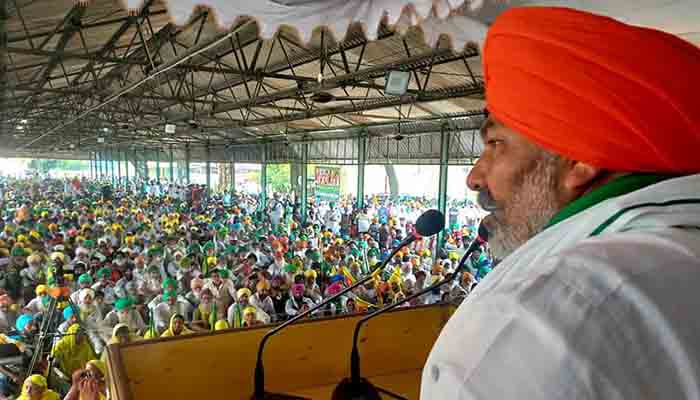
(595, 90)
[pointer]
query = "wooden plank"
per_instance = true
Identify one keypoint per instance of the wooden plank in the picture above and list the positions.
(305, 357)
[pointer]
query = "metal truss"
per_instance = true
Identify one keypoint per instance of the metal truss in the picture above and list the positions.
(67, 93)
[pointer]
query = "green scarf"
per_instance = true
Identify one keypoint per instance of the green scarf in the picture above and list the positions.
(618, 187)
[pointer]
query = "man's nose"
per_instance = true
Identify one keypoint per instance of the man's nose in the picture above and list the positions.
(476, 180)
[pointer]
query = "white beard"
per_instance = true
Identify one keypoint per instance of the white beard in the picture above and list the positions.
(536, 194)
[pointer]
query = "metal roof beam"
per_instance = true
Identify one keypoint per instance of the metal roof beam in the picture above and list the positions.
(434, 57)
(109, 46)
(72, 24)
(429, 95)
(85, 26)
(192, 52)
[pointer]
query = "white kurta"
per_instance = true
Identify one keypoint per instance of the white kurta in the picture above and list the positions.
(570, 316)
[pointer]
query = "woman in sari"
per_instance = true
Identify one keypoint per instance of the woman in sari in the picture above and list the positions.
(177, 327)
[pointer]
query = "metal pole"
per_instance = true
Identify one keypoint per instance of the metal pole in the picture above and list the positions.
(119, 166)
(187, 164)
(192, 52)
(145, 164)
(92, 175)
(136, 165)
(263, 179)
(111, 166)
(208, 169)
(126, 165)
(361, 161)
(172, 166)
(103, 165)
(158, 165)
(304, 176)
(442, 184)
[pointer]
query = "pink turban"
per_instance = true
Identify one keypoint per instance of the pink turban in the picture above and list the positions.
(298, 289)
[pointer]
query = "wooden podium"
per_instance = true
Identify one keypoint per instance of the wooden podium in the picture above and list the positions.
(306, 359)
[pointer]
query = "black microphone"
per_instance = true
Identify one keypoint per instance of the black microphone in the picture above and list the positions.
(358, 388)
(429, 223)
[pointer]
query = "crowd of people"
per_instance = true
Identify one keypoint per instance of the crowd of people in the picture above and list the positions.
(119, 264)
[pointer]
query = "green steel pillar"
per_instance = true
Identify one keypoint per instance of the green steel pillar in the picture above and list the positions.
(361, 161)
(187, 164)
(136, 166)
(442, 183)
(263, 179)
(304, 176)
(111, 165)
(208, 169)
(172, 166)
(126, 166)
(98, 164)
(119, 167)
(145, 164)
(99, 156)
(92, 175)
(158, 165)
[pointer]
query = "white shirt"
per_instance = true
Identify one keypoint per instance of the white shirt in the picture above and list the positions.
(569, 316)
(226, 287)
(277, 211)
(363, 223)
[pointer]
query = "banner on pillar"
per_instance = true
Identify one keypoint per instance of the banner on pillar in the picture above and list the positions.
(327, 183)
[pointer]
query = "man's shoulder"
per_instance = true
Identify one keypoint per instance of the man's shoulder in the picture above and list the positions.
(626, 298)
(625, 258)
(610, 258)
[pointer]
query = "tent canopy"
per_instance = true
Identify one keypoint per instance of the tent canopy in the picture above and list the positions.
(85, 75)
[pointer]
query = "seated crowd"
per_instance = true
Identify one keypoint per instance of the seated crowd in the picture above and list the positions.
(118, 264)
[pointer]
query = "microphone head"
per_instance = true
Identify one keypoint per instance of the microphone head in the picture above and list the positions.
(430, 223)
(349, 390)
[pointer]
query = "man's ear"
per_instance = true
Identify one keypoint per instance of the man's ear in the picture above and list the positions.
(578, 177)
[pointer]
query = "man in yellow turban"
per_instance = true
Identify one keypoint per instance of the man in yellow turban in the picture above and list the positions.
(590, 172)
(262, 300)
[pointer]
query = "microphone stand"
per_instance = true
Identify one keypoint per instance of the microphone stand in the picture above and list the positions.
(358, 388)
(259, 379)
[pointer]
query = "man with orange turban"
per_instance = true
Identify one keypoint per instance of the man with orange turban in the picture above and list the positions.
(591, 173)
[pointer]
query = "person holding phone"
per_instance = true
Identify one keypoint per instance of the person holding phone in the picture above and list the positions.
(89, 383)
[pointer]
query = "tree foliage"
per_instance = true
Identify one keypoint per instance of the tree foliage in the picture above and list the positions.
(278, 177)
(44, 166)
